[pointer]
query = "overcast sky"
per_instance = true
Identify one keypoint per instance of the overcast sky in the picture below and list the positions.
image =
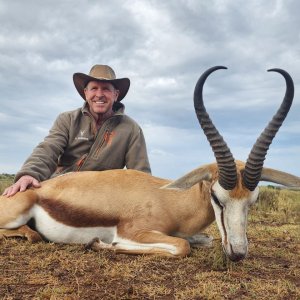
(163, 47)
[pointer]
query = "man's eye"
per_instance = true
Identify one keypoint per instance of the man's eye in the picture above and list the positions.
(216, 200)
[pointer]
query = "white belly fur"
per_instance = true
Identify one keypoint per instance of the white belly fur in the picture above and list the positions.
(60, 233)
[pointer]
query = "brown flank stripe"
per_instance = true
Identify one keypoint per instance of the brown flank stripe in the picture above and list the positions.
(75, 216)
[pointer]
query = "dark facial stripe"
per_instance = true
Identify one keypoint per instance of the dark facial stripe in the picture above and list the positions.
(76, 216)
(223, 225)
(216, 200)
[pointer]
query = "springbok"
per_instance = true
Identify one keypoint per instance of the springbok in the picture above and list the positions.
(133, 212)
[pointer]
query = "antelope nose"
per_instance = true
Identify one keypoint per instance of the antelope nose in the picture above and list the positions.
(238, 251)
(237, 256)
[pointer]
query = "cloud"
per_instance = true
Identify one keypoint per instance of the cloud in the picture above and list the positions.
(163, 47)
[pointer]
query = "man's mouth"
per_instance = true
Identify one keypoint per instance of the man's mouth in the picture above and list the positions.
(99, 102)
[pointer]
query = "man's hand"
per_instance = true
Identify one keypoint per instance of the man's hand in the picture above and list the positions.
(21, 185)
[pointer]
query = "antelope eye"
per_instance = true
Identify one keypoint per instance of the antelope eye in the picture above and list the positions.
(216, 200)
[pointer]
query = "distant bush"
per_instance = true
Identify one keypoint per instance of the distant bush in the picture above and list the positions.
(5, 181)
(7, 176)
(282, 204)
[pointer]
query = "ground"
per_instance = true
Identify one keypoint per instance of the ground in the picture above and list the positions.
(50, 271)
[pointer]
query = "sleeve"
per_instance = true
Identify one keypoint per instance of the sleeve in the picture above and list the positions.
(43, 161)
(136, 156)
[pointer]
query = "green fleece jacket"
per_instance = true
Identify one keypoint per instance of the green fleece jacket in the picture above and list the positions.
(75, 144)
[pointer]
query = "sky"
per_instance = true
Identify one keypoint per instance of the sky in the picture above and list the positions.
(163, 47)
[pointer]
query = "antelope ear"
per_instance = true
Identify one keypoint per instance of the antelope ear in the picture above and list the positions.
(190, 179)
(280, 177)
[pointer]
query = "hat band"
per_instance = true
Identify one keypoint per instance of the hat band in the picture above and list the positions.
(103, 78)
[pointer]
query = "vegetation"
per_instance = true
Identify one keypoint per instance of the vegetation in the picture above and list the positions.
(271, 270)
(5, 180)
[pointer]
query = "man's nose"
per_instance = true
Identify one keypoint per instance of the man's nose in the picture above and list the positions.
(99, 92)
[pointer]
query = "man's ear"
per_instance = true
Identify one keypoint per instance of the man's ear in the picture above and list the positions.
(84, 90)
(117, 95)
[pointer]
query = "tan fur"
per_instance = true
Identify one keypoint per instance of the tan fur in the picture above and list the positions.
(11, 208)
(128, 199)
(112, 197)
(240, 191)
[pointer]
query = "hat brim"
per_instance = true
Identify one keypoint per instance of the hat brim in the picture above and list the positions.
(81, 80)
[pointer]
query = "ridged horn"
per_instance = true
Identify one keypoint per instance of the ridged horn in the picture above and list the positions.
(255, 161)
(225, 160)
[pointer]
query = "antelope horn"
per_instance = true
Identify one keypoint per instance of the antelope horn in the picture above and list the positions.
(225, 160)
(255, 161)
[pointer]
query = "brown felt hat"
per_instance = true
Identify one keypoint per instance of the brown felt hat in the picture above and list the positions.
(101, 73)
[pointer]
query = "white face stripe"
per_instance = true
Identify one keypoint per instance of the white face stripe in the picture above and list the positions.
(218, 213)
(231, 219)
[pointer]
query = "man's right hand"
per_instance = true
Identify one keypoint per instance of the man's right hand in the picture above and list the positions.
(21, 185)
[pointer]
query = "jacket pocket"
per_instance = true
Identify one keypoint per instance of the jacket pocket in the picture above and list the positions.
(103, 141)
(80, 162)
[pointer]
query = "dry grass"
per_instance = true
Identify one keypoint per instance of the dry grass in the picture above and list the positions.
(271, 270)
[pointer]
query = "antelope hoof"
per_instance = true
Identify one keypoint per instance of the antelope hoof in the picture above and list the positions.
(34, 237)
(31, 235)
(21, 232)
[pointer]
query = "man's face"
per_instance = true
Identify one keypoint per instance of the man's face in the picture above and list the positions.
(100, 96)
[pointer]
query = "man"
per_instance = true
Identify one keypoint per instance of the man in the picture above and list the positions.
(96, 137)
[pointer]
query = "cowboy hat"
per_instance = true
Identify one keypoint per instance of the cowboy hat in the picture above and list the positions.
(101, 73)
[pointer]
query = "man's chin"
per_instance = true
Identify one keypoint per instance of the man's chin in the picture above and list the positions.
(100, 110)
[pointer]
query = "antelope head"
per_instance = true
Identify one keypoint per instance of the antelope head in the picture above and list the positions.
(234, 184)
